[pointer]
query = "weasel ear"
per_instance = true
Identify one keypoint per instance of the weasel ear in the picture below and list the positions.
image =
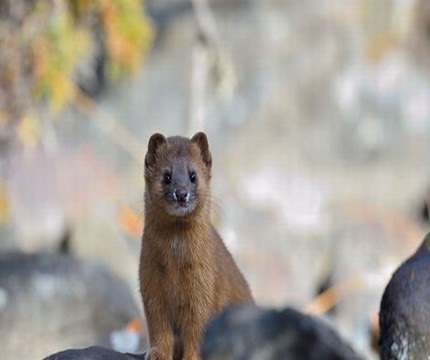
(154, 142)
(202, 142)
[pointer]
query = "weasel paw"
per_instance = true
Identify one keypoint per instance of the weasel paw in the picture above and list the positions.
(155, 354)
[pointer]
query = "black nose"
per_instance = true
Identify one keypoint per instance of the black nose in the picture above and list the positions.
(181, 195)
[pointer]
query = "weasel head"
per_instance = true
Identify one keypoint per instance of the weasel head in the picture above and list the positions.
(177, 174)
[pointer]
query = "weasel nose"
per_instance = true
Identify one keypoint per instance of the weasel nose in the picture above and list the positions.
(181, 195)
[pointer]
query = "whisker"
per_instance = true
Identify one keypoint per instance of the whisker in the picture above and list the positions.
(136, 203)
(214, 203)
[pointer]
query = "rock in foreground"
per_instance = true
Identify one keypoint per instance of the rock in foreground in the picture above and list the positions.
(50, 302)
(404, 317)
(93, 353)
(249, 332)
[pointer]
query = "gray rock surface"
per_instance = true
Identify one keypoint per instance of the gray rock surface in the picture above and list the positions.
(50, 302)
(249, 332)
(93, 353)
(404, 317)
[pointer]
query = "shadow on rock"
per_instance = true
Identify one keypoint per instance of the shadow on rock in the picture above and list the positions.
(50, 302)
(93, 353)
(249, 332)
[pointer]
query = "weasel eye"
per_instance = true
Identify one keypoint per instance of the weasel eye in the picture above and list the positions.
(193, 177)
(167, 178)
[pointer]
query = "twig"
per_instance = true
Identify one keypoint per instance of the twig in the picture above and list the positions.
(209, 56)
(330, 297)
(346, 288)
(206, 25)
(118, 133)
(199, 80)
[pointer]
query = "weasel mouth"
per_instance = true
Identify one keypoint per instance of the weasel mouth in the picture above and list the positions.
(183, 204)
(181, 208)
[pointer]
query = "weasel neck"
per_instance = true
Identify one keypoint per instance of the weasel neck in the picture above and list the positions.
(195, 224)
(179, 239)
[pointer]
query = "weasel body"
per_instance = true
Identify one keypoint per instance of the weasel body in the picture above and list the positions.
(187, 274)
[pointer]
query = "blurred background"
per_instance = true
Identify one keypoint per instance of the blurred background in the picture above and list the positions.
(318, 116)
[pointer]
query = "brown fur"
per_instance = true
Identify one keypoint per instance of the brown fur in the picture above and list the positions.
(186, 273)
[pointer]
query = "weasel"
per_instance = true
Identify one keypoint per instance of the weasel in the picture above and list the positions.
(187, 275)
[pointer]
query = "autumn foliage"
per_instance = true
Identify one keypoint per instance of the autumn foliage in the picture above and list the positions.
(45, 42)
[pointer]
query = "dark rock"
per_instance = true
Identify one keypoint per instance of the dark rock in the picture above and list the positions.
(425, 213)
(249, 332)
(423, 210)
(50, 302)
(93, 353)
(404, 317)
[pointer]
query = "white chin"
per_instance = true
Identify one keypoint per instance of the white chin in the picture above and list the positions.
(177, 210)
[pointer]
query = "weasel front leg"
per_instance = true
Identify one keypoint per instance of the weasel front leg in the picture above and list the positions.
(194, 322)
(192, 336)
(161, 336)
(160, 332)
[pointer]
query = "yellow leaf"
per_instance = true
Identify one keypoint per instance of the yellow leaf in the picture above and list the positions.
(379, 46)
(3, 117)
(29, 131)
(4, 204)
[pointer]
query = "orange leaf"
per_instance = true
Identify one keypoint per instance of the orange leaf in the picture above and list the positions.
(134, 325)
(130, 221)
